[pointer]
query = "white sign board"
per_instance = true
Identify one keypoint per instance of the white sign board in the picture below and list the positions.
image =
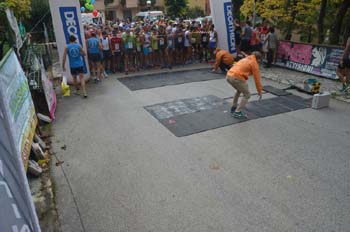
(66, 19)
(17, 127)
(223, 19)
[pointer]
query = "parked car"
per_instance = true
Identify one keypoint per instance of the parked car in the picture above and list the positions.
(149, 15)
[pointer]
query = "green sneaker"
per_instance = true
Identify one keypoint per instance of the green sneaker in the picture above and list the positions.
(239, 115)
(77, 92)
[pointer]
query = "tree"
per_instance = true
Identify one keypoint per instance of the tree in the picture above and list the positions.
(21, 8)
(236, 7)
(176, 8)
(336, 28)
(287, 15)
(195, 12)
(320, 22)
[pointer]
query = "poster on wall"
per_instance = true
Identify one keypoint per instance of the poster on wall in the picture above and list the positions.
(17, 126)
(18, 105)
(49, 91)
(314, 59)
(66, 19)
(223, 19)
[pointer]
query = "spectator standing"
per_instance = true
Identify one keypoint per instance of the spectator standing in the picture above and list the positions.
(170, 50)
(117, 45)
(93, 47)
(272, 43)
(107, 52)
(246, 36)
(213, 38)
(264, 30)
(238, 32)
(343, 70)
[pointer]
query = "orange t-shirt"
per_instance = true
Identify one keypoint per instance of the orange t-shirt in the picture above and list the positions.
(223, 56)
(246, 67)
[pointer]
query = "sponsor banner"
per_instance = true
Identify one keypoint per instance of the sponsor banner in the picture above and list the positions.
(319, 60)
(66, 19)
(50, 93)
(17, 212)
(18, 105)
(223, 19)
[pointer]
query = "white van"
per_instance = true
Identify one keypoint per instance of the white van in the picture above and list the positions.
(149, 15)
(89, 18)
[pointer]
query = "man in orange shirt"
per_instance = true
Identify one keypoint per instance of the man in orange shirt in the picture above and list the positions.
(238, 75)
(224, 60)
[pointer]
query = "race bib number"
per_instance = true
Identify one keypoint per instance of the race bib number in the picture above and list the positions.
(130, 45)
(139, 48)
(117, 47)
(170, 43)
(161, 41)
(193, 40)
(205, 39)
(179, 39)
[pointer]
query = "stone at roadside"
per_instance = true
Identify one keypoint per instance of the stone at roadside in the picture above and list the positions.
(34, 168)
(44, 118)
(38, 152)
(37, 139)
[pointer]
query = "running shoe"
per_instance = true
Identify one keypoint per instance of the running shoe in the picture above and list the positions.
(77, 92)
(239, 115)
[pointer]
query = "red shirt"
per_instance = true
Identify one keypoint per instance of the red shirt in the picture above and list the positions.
(116, 42)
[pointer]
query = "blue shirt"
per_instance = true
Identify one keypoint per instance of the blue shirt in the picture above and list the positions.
(93, 47)
(75, 59)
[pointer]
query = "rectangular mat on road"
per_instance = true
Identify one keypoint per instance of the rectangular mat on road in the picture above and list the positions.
(191, 116)
(275, 91)
(174, 78)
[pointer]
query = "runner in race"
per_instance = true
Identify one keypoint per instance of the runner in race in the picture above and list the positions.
(75, 54)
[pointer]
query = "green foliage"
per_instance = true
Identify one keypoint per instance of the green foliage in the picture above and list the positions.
(294, 16)
(195, 12)
(176, 8)
(21, 8)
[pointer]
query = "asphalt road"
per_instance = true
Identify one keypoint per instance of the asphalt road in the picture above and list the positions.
(125, 172)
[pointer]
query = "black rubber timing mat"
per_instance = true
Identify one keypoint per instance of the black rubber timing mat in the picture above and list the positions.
(174, 78)
(195, 115)
(275, 91)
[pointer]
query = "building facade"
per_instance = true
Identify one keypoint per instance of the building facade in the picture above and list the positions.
(123, 9)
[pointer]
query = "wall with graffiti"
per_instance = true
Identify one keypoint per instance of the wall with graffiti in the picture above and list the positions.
(314, 59)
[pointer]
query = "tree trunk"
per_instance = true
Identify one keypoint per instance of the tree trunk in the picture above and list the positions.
(320, 22)
(293, 15)
(236, 8)
(336, 28)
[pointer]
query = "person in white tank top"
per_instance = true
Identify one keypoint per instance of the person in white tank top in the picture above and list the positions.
(107, 53)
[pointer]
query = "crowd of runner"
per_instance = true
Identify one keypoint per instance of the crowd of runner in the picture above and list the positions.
(124, 47)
